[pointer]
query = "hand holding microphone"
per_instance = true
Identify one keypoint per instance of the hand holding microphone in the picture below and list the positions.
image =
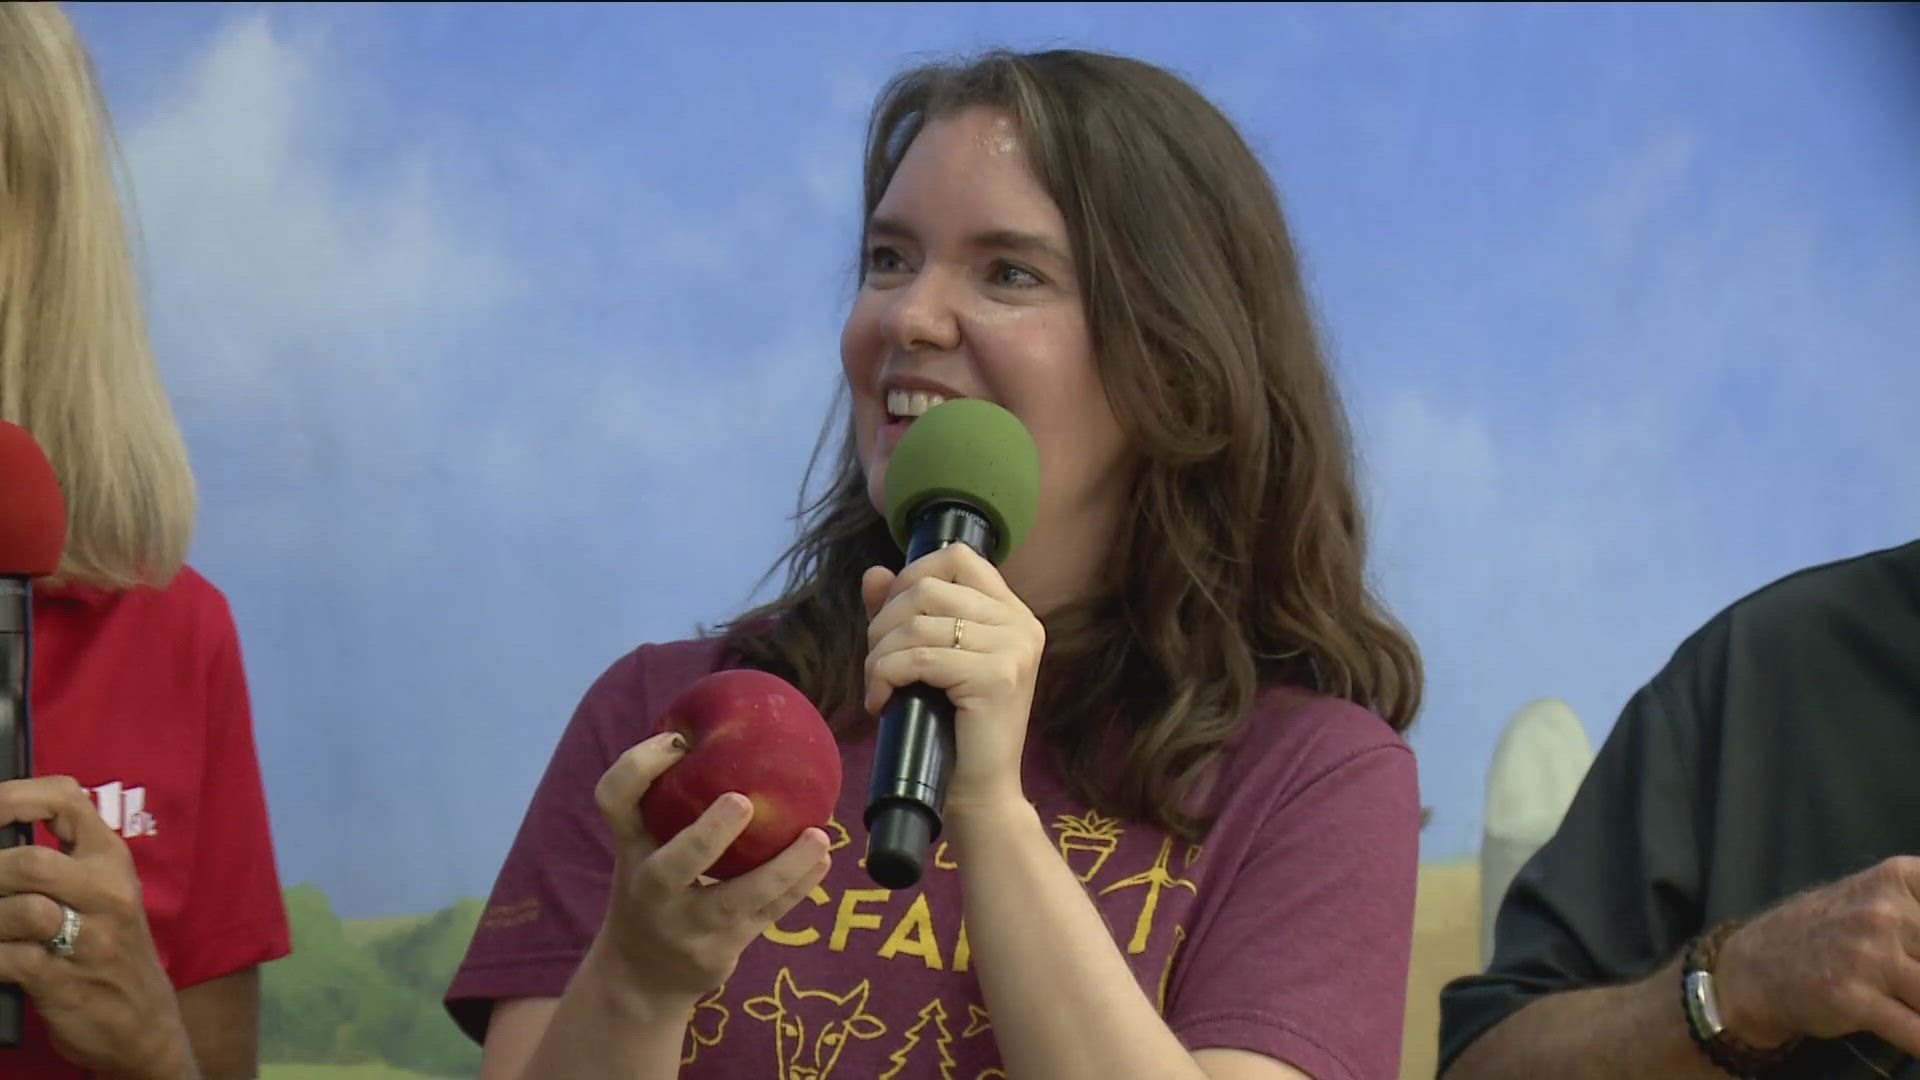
(73, 931)
(984, 660)
(953, 652)
(33, 534)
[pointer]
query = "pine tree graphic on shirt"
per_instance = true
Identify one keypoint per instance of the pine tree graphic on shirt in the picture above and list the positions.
(935, 1014)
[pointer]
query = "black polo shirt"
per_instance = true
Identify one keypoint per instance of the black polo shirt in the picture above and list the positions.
(1779, 749)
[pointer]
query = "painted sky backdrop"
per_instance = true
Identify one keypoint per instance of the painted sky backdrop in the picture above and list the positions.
(501, 333)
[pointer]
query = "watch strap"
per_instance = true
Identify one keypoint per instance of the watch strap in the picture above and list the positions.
(1700, 1006)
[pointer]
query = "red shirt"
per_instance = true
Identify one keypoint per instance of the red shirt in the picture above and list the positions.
(140, 696)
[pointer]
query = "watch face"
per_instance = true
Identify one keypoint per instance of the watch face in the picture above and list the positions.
(1703, 1008)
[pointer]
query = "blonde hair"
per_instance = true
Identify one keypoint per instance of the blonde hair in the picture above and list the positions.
(76, 365)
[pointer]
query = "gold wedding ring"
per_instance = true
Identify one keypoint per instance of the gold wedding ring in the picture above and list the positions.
(959, 625)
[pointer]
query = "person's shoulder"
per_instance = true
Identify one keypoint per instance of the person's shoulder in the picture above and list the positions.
(189, 590)
(185, 595)
(191, 605)
(1818, 606)
(1294, 736)
(659, 670)
(1886, 581)
(671, 665)
(1295, 741)
(1292, 719)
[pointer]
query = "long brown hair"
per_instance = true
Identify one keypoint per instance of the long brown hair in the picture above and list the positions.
(76, 367)
(1243, 563)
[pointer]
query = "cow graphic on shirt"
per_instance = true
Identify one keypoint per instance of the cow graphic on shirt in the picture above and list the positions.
(811, 1027)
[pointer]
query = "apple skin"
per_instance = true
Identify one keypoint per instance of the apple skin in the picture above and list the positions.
(750, 732)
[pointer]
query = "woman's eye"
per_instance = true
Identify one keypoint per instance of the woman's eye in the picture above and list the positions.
(884, 260)
(1018, 277)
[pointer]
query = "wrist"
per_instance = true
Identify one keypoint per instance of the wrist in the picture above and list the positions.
(997, 814)
(609, 982)
(167, 1055)
(1726, 1012)
(1743, 1009)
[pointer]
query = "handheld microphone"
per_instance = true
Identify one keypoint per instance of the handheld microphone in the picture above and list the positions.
(33, 532)
(964, 472)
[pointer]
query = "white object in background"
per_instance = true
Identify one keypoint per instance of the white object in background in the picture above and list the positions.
(1542, 757)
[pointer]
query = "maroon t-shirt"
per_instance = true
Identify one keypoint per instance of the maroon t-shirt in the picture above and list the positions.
(1286, 931)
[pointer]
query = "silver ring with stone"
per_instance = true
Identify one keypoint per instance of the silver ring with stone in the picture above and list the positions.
(61, 944)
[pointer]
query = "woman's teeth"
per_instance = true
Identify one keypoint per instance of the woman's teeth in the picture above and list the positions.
(903, 403)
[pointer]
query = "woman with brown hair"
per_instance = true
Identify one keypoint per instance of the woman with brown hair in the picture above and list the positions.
(137, 924)
(1181, 835)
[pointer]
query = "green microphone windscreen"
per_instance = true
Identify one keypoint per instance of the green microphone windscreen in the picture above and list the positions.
(972, 451)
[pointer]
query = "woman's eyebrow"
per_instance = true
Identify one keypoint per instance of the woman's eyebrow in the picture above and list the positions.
(888, 228)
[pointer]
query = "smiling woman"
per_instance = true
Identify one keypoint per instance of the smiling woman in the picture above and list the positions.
(1181, 830)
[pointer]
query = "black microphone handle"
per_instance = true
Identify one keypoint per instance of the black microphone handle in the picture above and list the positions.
(16, 748)
(913, 754)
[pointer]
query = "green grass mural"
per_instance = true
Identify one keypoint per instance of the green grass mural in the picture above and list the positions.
(361, 1000)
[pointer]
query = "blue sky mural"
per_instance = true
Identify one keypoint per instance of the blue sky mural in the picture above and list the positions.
(501, 333)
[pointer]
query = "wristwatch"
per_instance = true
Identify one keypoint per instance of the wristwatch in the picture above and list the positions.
(1704, 1021)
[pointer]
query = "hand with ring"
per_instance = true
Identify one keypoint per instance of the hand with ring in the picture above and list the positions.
(74, 935)
(951, 621)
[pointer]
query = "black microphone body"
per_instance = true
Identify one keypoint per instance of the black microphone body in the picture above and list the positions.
(16, 747)
(913, 755)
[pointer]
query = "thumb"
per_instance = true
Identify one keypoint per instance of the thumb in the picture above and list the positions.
(873, 588)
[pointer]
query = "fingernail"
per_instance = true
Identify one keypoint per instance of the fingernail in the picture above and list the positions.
(736, 804)
(677, 742)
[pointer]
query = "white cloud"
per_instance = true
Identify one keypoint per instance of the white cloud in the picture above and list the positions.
(305, 312)
(241, 195)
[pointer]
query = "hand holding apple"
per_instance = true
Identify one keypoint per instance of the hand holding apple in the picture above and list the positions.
(749, 732)
(669, 938)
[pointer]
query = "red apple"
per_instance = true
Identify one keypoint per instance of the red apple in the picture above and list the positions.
(750, 732)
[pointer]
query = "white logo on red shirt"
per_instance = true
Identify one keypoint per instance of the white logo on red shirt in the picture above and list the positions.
(124, 809)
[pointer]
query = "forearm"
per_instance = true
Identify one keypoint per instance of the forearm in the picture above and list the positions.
(222, 1020)
(1633, 1029)
(1064, 1003)
(603, 1027)
(168, 1053)
(174, 1061)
